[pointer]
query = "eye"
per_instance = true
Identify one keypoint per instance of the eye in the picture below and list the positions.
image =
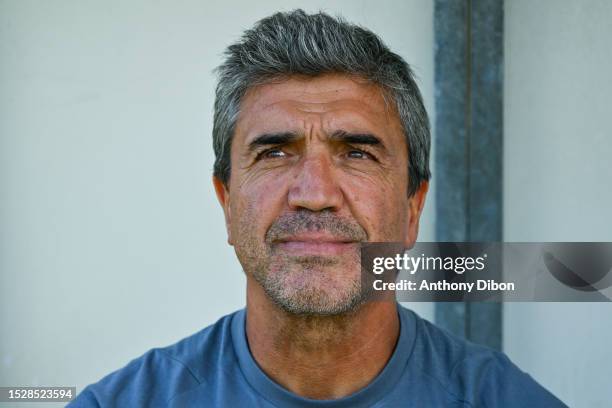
(273, 153)
(358, 154)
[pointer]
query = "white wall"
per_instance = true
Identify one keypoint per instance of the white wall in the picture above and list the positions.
(111, 241)
(558, 151)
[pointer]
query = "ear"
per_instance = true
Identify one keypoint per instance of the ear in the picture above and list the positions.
(224, 199)
(415, 208)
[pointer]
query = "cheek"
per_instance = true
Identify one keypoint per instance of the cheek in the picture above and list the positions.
(380, 207)
(255, 205)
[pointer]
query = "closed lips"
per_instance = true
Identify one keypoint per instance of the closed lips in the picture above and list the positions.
(319, 244)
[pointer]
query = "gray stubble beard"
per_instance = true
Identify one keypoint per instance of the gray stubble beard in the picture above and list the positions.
(275, 272)
(309, 300)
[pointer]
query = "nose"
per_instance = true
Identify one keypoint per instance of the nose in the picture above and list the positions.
(314, 186)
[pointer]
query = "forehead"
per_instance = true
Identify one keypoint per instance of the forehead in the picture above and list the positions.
(329, 102)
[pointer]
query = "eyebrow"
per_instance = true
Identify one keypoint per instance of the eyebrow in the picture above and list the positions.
(267, 139)
(356, 138)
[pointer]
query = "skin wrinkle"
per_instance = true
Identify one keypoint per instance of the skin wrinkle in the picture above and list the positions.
(309, 326)
(254, 105)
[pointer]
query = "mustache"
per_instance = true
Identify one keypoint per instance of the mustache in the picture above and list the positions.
(302, 221)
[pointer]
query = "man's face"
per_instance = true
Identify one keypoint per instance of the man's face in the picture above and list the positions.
(318, 165)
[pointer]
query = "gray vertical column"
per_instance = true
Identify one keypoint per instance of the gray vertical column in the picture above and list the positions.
(469, 141)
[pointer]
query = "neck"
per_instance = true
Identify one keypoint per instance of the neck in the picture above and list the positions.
(320, 357)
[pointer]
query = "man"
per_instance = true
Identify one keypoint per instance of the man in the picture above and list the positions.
(322, 142)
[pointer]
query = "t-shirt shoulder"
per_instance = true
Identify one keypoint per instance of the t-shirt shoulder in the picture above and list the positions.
(474, 374)
(161, 373)
(443, 352)
(205, 351)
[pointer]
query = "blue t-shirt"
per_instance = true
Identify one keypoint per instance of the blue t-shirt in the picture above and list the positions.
(214, 368)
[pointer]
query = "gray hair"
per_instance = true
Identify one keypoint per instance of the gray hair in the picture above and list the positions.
(296, 43)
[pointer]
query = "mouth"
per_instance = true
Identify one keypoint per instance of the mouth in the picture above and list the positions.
(315, 244)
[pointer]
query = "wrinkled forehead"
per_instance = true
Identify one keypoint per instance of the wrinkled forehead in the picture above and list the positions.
(331, 102)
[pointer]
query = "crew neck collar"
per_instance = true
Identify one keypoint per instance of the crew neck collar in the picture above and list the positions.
(374, 392)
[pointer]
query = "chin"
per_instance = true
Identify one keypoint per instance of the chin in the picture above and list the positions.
(320, 290)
